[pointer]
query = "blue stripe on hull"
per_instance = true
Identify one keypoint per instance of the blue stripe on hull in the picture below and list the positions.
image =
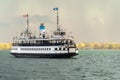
(23, 55)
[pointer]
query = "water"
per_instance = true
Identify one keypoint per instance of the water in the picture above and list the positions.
(88, 65)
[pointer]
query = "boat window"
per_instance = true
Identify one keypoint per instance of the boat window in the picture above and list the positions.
(62, 33)
(55, 48)
(59, 48)
(63, 48)
(45, 49)
(14, 49)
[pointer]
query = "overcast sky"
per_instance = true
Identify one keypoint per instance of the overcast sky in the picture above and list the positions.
(88, 20)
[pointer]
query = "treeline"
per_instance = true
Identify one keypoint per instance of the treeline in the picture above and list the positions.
(5, 46)
(98, 45)
(82, 45)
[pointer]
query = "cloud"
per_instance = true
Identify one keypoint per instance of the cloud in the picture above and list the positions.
(3, 24)
(40, 18)
(20, 20)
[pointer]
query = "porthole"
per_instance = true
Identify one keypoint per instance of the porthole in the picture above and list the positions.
(56, 49)
(59, 48)
(63, 48)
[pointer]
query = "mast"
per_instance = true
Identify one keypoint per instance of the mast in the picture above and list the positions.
(27, 21)
(59, 31)
(58, 20)
(56, 9)
(27, 25)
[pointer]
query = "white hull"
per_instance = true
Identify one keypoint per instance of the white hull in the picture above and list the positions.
(43, 52)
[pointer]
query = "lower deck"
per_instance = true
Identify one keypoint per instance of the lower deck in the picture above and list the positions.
(44, 52)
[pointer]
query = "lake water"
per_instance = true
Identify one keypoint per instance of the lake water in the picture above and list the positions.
(88, 65)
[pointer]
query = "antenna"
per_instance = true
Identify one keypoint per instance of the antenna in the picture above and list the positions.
(27, 32)
(58, 20)
(27, 21)
(56, 9)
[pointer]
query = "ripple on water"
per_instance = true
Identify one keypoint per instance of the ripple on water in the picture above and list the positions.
(88, 65)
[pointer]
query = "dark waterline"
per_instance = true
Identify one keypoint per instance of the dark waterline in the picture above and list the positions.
(88, 65)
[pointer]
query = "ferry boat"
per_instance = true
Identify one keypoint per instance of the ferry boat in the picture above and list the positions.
(57, 45)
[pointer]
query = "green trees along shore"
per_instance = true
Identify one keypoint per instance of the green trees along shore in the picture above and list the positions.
(81, 45)
(97, 45)
(5, 46)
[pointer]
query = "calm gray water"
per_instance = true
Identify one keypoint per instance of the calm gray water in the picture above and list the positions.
(88, 65)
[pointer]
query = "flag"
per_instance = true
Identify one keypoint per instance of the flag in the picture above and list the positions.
(55, 8)
(25, 15)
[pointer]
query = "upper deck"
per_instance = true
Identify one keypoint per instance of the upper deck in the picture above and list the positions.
(58, 38)
(44, 42)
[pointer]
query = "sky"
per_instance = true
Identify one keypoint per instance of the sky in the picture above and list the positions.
(88, 20)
